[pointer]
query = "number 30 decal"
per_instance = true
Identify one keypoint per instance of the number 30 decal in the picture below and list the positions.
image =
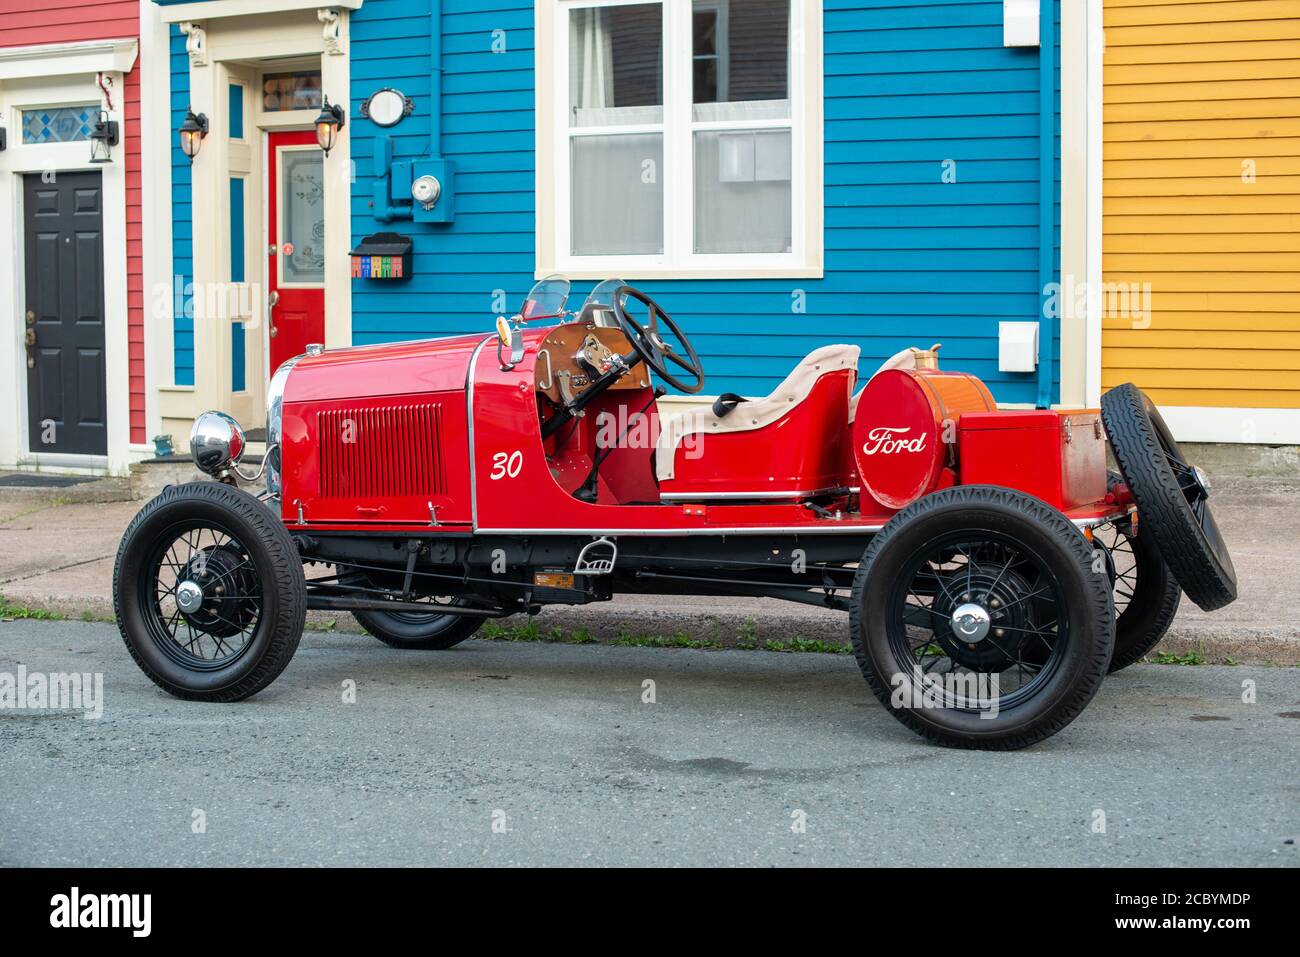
(506, 465)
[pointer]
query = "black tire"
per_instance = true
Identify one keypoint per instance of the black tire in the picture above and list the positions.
(417, 631)
(1146, 593)
(984, 525)
(250, 551)
(1171, 496)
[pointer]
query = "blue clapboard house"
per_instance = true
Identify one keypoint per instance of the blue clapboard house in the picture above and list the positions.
(779, 174)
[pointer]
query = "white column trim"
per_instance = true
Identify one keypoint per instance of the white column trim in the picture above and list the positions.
(156, 214)
(1075, 151)
(1096, 44)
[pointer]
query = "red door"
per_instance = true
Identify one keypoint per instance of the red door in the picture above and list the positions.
(296, 231)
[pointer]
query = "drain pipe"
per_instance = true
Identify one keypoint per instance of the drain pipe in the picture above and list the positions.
(1046, 195)
(435, 79)
(432, 177)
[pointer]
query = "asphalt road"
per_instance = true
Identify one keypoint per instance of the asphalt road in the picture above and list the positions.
(554, 743)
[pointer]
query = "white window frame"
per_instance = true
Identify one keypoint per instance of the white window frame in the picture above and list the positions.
(679, 261)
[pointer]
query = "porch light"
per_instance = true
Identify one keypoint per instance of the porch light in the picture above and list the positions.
(103, 137)
(192, 131)
(328, 124)
(4, 139)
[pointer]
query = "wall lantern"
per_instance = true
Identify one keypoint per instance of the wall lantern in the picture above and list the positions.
(192, 132)
(103, 137)
(4, 139)
(328, 124)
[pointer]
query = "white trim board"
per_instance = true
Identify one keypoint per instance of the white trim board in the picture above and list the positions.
(1244, 426)
(63, 59)
(212, 9)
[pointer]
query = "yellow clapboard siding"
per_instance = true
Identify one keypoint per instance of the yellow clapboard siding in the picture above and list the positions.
(1167, 35)
(1179, 339)
(1238, 147)
(1221, 398)
(1194, 53)
(1157, 74)
(1202, 91)
(1175, 129)
(1203, 243)
(1119, 15)
(1176, 282)
(1195, 167)
(1272, 380)
(1241, 109)
(1137, 263)
(1220, 360)
(1199, 205)
(1234, 323)
(1194, 301)
(1192, 91)
(1195, 186)
(1184, 224)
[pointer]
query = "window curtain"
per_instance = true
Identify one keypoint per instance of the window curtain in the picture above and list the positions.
(591, 67)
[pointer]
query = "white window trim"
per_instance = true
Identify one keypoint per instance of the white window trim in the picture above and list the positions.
(806, 260)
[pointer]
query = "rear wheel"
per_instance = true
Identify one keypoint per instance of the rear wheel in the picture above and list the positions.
(413, 630)
(978, 618)
(209, 592)
(1146, 594)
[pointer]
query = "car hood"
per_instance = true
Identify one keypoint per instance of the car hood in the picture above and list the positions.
(397, 368)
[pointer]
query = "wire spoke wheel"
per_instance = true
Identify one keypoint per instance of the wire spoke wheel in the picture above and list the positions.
(206, 600)
(209, 592)
(1146, 594)
(981, 608)
(978, 619)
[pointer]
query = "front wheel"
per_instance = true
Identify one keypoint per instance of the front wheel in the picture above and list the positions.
(980, 619)
(209, 592)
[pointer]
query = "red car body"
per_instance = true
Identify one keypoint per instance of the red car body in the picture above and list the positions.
(483, 466)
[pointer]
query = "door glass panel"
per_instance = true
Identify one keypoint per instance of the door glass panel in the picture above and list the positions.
(302, 199)
(291, 91)
(63, 124)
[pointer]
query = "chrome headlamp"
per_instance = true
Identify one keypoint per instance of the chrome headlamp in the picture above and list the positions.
(216, 442)
(274, 409)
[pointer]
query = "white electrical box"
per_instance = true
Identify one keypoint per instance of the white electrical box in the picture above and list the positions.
(1020, 23)
(1017, 346)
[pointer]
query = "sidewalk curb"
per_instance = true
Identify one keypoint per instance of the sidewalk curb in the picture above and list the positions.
(1245, 646)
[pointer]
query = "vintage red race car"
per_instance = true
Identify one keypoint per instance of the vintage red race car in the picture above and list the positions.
(992, 568)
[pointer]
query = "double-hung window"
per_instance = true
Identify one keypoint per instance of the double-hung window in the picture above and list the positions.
(679, 138)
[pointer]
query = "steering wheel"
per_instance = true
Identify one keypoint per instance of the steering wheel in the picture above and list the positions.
(651, 347)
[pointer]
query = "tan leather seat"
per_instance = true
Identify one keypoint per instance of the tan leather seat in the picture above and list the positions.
(755, 413)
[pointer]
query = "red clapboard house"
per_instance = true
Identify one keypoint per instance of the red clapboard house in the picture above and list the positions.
(72, 367)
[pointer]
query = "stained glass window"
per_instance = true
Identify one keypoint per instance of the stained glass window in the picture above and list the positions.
(62, 124)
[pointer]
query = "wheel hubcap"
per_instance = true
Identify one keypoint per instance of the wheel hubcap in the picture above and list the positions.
(189, 597)
(970, 623)
(1202, 481)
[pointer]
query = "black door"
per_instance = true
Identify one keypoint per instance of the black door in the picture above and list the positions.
(64, 253)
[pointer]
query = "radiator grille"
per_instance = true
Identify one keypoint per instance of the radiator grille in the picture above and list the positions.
(382, 452)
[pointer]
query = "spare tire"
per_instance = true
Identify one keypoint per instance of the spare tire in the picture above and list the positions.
(1172, 497)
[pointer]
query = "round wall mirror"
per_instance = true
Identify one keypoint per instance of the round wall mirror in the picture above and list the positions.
(386, 107)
